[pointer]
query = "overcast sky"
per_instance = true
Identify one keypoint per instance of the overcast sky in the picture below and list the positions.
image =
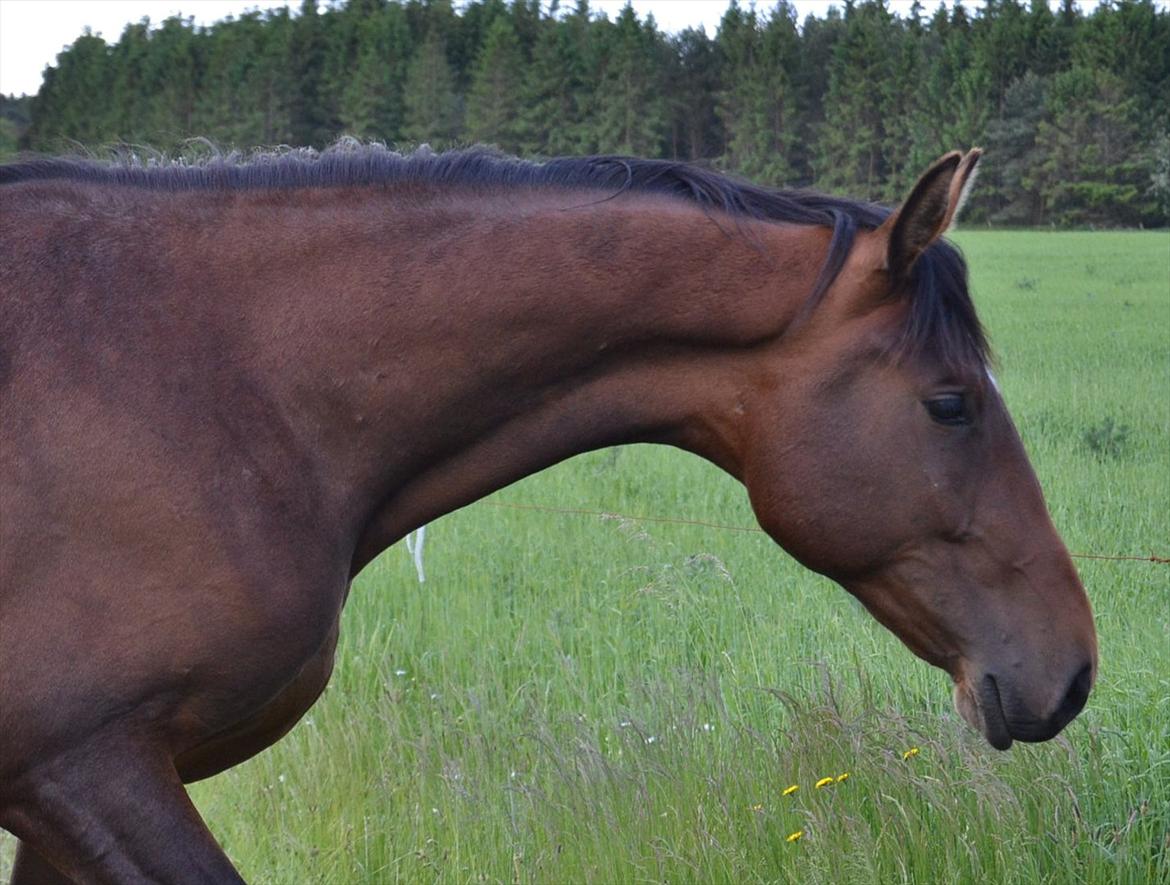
(32, 32)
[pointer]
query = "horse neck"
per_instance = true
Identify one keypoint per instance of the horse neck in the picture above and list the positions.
(454, 346)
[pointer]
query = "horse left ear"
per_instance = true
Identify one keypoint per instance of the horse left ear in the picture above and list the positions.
(929, 210)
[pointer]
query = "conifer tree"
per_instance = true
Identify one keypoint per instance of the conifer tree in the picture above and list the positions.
(466, 38)
(372, 104)
(1045, 50)
(555, 90)
(129, 89)
(493, 102)
(431, 105)
(71, 107)
(695, 126)
(309, 122)
(819, 39)
(629, 109)
(903, 155)
(1004, 193)
(758, 105)
(245, 100)
(1096, 166)
(173, 65)
(854, 138)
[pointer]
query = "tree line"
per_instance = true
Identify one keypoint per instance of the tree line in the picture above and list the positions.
(1072, 107)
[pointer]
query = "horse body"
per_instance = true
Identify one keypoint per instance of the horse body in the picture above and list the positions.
(219, 403)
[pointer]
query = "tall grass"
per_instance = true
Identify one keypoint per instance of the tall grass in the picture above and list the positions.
(575, 698)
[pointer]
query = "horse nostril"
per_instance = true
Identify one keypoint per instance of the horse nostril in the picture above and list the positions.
(1074, 699)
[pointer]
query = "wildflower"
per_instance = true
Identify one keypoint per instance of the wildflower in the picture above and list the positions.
(913, 751)
(794, 837)
(758, 807)
(823, 782)
(841, 778)
(790, 790)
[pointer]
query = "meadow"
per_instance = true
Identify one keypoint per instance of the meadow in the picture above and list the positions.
(603, 699)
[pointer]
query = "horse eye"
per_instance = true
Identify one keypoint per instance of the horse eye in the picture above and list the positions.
(949, 409)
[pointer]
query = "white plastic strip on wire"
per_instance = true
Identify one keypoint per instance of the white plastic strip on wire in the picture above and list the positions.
(414, 547)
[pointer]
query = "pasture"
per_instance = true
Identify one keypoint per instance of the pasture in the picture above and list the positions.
(579, 698)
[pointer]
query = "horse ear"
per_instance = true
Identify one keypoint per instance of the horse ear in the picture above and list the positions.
(929, 210)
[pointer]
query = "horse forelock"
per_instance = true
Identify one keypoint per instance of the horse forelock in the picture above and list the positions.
(941, 320)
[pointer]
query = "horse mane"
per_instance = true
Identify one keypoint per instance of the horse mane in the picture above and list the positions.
(942, 319)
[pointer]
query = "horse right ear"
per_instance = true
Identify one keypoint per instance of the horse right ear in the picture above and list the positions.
(928, 211)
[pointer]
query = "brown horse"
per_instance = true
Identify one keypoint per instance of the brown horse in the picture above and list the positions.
(225, 388)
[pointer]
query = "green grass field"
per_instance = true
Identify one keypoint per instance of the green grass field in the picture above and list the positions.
(573, 698)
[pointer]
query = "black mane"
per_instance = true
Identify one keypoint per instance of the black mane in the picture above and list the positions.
(942, 320)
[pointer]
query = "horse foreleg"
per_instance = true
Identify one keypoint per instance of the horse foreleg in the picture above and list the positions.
(111, 813)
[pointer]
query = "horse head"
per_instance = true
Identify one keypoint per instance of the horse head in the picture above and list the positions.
(879, 452)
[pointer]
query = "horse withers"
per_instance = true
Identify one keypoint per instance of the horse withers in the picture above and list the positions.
(226, 387)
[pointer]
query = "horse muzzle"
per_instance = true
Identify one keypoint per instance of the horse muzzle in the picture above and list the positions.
(998, 707)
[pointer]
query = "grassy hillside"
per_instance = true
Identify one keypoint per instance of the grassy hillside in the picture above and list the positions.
(578, 698)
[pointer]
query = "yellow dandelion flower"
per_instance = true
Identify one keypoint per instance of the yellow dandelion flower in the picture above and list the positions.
(823, 782)
(841, 778)
(913, 751)
(788, 791)
(795, 837)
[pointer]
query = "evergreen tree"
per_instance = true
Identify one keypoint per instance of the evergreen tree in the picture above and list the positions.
(432, 107)
(493, 103)
(1131, 40)
(372, 104)
(437, 20)
(1046, 51)
(1159, 189)
(556, 91)
(956, 94)
(854, 138)
(308, 116)
(908, 147)
(999, 38)
(758, 106)
(72, 105)
(696, 131)
(1005, 194)
(15, 117)
(525, 16)
(268, 78)
(155, 79)
(630, 108)
(246, 98)
(465, 41)
(819, 39)
(1097, 164)
(129, 89)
